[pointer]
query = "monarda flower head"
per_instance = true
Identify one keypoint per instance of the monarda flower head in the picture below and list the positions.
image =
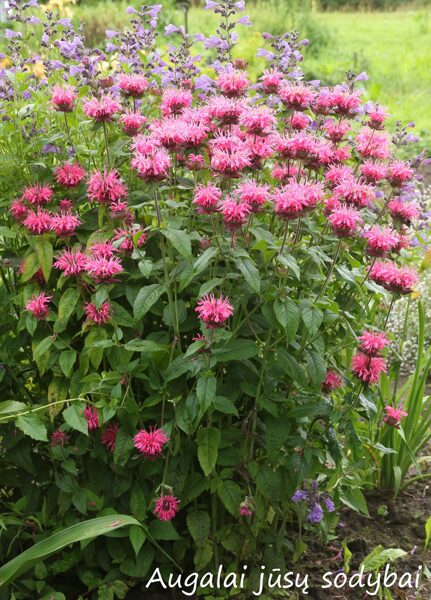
(368, 368)
(154, 165)
(401, 280)
(252, 193)
(380, 240)
(295, 199)
(92, 417)
(126, 240)
(271, 81)
(371, 144)
(296, 95)
(18, 210)
(376, 114)
(234, 214)
(69, 175)
(232, 83)
(38, 305)
(38, 222)
(258, 120)
(207, 198)
(133, 85)
(103, 269)
(214, 312)
(101, 109)
(350, 191)
(225, 110)
(403, 212)
(132, 123)
(151, 442)
(299, 121)
(174, 101)
(59, 438)
(332, 381)
(373, 342)
(63, 98)
(246, 508)
(109, 436)
(373, 172)
(394, 416)
(105, 187)
(71, 262)
(345, 221)
(98, 316)
(37, 194)
(399, 172)
(166, 507)
(64, 224)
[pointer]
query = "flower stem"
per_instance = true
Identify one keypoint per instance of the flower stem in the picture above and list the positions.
(330, 272)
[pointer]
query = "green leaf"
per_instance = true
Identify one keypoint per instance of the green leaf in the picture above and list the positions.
(206, 391)
(67, 360)
(74, 417)
(288, 315)
(42, 348)
(199, 524)
(203, 555)
(312, 318)
(239, 349)
(123, 446)
(180, 240)
(11, 406)
(230, 494)
(45, 255)
(146, 298)
(316, 367)
(163, 530)
(250, 274)
(33, 427)
(428, 532)
(225, 405)
(137, 537)
(208, 441)
(76, 533)
(148, 346)
(30, 265)
(66, 307)
(268, 482)
(354, 498)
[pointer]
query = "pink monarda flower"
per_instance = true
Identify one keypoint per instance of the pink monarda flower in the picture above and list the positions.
(296, 95)
(332, 381)
(373, 342)
(373, 171)
(295, 199)
(59, 438)
(38, 194)
(63, 98)
(299, 121)
(377, 115)
(404, 212)
(195, 162)
(214, 311)
(245, 510)
(368, 368)
(153, 165)
(336, 174)
(132, 122)
(166, 507)
(105, 187)
(335, 130)
(350, 191)
(271, 81)
(258, 120)
(109, 436)
(125, 239)
(119, 209)
(393, 416)
(71, 262)
(225, 110)
(284, 172)
(102, 249)
(253, 194)
(38, 222)
(64, 224)
(91, 417)
(345, 221)
(234, 214)
(98, 316)
(101, 109)
(174, 101)
(65, 204)
(18, 210)
(399, 172)
(380, 240)
(343, 101)
(230, 163)
(133, 85)
(38, 305)
(371, 144)
(207, 198)
(103, 269)
(151, 443)
(69, 175)
(401, 280)
(232, 83)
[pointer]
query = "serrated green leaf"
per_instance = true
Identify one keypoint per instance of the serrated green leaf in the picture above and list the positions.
(66, 307)
(45, 255)
(33, 427)
(74, 417)
(208, 441)
(146, 298)
(250, 274)
(180, 240)
(199, 524)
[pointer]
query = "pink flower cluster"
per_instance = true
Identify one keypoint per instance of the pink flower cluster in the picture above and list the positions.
(367, 364)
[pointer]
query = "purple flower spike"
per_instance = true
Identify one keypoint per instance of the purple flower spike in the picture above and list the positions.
(316, 514)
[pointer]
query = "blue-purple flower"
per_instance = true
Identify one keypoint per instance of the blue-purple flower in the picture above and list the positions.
(314, 500)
